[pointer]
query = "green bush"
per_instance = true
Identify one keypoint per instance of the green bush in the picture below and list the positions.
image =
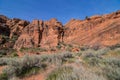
(3, 76)
(21, 66)
(8, 52)
(110, 66)
(114, 46)
(112, 69)
(56, 59)
(29, 65)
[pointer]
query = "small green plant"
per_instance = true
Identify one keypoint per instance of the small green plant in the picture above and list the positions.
(28, 71)
(14, 54)
(3, 76)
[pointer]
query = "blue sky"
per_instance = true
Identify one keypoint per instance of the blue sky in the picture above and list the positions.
(63, 10)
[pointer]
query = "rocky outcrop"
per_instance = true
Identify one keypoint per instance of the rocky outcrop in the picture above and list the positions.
(16, 26)
(4, 29)
(10, 30)
(41, 34)
(98, 30)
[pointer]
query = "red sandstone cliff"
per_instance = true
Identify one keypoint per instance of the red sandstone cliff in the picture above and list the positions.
(40, 34)
(100, 30)
(97, 30)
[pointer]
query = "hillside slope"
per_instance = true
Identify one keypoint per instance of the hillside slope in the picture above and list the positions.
(97, 30)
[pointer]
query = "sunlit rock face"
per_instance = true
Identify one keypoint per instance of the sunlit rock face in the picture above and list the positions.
(96, 30)
(40, 34)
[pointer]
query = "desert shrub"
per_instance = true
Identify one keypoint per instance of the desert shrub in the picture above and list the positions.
(3, 76)
(78, 54)
(92, 59)
(29, 65)
(56, 59)
(8, 51)
(3, 52)
(14, 54)
(91, 54)
(22, 66)
(4, 61)
(114, 53)
(60, 73)
(88, 54)
(96, 46)
(112, 73)
(112, 68)
(102, 51)
(32, 49)
(72, 72)
(84, 48)
(114, 46)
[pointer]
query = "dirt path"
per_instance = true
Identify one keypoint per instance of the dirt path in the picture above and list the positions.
(36, 77)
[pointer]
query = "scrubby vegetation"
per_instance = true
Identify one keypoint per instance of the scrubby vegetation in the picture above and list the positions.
(8, 52)
(28, 65)
(33, 49)
(87, 64)
(73, 72)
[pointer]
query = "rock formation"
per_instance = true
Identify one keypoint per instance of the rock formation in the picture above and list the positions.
(99, 30)
(10, 30)
(39, 33)
(16, 26)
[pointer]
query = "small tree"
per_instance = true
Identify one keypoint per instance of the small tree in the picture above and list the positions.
(87, 18)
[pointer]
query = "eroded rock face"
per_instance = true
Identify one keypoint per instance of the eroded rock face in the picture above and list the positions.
(16, 26)
(3, 19)
(10, 30)
(95, 31)
(4, 29)
(40, 34)
(98, 30)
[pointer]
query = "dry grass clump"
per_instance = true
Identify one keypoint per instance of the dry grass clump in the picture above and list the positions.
(73, 72)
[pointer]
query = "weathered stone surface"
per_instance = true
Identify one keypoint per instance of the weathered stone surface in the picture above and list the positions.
(16, 26)
(3, 19)
(98, 30)
(10, 30)
(44, 34)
